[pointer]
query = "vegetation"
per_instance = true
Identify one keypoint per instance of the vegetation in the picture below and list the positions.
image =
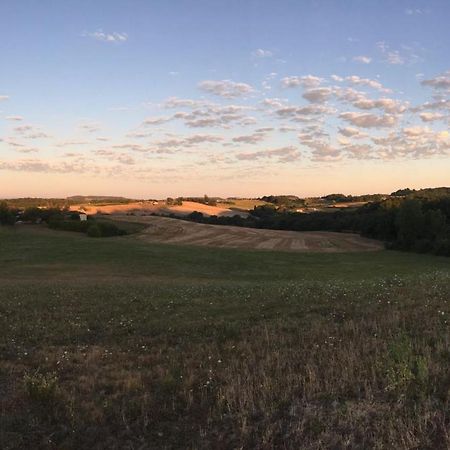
(117, 344)
(63, 219)
(411, 224)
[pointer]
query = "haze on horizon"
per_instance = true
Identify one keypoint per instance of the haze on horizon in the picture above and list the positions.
(229, 98)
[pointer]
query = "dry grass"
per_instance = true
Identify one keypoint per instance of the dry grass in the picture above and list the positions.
(280, 366)
(148, 207)
(174, 231)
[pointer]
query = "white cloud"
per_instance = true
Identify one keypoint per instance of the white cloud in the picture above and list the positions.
(4, 97)
(366, 120)
(318, 95)
(394, 57)
(226, 88)
(283, 154)
(14, 118)
(439, 82)
(363, 59)
(351, 132)
(374, 84)
(254, 138)
(261, 53)
(431, 117)
(307, 81)
(100, 35)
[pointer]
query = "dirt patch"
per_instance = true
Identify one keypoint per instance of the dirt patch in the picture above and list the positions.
(174, 231)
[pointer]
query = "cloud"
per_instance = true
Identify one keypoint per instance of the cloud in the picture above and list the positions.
(303, 113)
(90, 127)
(30, 132)
(318, 95)
(156, 120)
(414, 12)
(389, 105)
(307, 81)
(431, 117)
(274, 102)
(358, 81)
(283, 154)
(351, 132)
(337, 78)
(14, 118)
(407, 54)
(100, 35)
(254, 138)
(441, 82)
(175, 102)
(363, 59)
(261, 53)
(366, 120)
(215, 116)
(4, 97)
(395, 58)
(226, 88)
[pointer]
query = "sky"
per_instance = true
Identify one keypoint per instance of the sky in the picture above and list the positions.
(157, 98)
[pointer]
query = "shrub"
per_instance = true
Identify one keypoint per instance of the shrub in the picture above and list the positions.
(94, 230)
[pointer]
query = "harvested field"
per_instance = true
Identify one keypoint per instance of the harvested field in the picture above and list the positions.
(148, 207)
(174, 231)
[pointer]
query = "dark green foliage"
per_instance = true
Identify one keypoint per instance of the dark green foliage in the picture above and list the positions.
(7, 216)
(413, 224)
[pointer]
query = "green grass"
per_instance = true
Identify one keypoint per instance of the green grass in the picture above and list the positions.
(33, 251)
(115, 343)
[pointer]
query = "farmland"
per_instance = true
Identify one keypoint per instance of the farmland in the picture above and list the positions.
(173, 231)
(123, 343)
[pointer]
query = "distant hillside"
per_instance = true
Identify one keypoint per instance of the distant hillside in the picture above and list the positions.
(98, 199)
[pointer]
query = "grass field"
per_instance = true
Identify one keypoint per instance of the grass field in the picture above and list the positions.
(118, 344)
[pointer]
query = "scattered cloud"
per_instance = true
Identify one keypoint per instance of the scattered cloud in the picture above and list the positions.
(366, 120)
(282, 154)
(14, 118)
(431, 117)
(226, 88)
(261, 53)
(307, 81)
(100, 35)
(362, 59)
(441, 82)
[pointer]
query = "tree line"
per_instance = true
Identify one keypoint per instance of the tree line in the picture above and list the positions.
(411, 224)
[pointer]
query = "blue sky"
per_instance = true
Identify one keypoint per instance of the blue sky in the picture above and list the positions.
(156, 98)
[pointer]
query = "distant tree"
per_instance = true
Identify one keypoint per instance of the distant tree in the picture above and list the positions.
(7, 216)
(169, 201)
(409, 222)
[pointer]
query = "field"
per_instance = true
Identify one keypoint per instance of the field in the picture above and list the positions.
(119, 343)
(173, 231)
(160, 207)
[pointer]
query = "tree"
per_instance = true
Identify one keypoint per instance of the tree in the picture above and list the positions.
(410, 223)
(7, 216)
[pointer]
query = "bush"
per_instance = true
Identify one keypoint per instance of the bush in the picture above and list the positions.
(94, 231)
(442, 247)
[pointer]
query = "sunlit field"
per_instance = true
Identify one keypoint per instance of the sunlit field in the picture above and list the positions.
(113, 343)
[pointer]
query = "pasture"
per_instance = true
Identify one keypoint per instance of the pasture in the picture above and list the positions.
(122, 343)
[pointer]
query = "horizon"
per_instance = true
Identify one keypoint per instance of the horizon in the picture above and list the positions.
(155, 100)
(226, 196)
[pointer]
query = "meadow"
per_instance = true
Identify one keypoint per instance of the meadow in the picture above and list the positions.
(115, 343)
